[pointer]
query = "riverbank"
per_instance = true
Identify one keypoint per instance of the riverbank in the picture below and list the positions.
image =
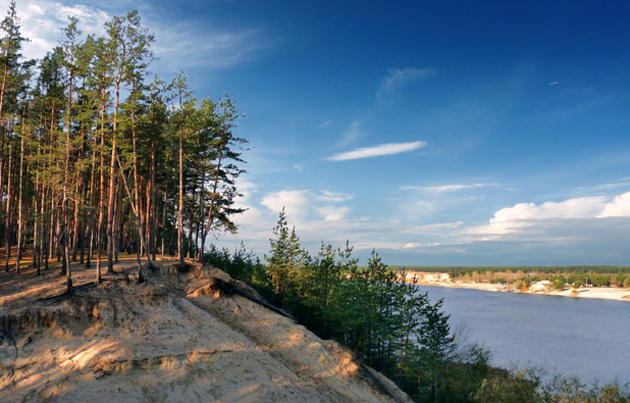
(444, 280)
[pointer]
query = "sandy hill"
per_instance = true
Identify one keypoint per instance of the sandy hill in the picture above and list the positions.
(185, 334)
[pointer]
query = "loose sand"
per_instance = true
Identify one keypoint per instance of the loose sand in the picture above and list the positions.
(174, 338)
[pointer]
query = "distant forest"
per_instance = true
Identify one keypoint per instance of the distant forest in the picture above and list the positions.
(97, 155)
(577, 276)
(607, 269)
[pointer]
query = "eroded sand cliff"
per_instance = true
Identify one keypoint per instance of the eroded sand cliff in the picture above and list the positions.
(186, 334)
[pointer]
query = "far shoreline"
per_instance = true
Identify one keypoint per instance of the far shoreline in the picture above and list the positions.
(444, 280)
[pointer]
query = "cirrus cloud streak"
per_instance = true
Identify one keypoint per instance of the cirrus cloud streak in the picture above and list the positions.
(378, 151)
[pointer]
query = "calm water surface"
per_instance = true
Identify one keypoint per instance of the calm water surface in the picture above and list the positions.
(584, 337)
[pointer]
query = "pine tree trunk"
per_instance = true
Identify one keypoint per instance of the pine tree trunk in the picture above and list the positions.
(89, 235)
(2, 167)
(112, 187)
(214, 194)
(153, 201)
(20, 204)
(116, 223)
(75, 224)
(101, 200)
(148, 220)
(5, 72)
(202, 205)
(138, 205)
(2, 135)
(8, 214)
(66, 185)
(52, 226)
(164, 226)
(191, 225)
(180, 207)
(36, 223)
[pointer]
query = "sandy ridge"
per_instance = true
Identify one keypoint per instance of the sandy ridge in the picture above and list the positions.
(173, 338)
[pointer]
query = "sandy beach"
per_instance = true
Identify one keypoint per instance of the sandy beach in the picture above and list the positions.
(444, 280)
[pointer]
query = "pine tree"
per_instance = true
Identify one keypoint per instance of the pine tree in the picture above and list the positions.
(10, 47)
(70, 49)
(220, 164)
(87, 151)
(284, 256)
(182, 93)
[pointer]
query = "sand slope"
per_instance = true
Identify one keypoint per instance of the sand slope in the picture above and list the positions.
(175, 338)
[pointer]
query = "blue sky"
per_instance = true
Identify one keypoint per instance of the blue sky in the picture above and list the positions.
(439, 133)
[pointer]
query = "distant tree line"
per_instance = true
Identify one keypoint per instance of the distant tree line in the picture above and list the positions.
(561, 278)
(459, 270)
(95, 158)
(390, 325)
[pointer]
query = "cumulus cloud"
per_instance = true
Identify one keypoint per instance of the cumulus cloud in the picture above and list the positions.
(619, 207)
(332, 213)
(295, 202)
(552, 219)
(43, 23)
(399, 78)
(307, 204)
(378, 151)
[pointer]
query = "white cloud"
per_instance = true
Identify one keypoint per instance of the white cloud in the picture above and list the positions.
(36, 9)
(191, 43)
(378, 151)
(332, 213)
(295, 202)
(619, 207)
(447, 188)
(582, 207)
(350, 135)
(398, 78)
(427, 228)
(327, 124)
(622, 183)
(43, 23)
(302, 205)
(337, 197)
(551, 220)
(416, 245)
(179, 44)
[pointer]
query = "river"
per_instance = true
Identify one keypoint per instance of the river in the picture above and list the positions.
(577, 336)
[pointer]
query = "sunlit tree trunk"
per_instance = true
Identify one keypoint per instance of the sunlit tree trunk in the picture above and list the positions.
(8, 214)
(20, 194)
